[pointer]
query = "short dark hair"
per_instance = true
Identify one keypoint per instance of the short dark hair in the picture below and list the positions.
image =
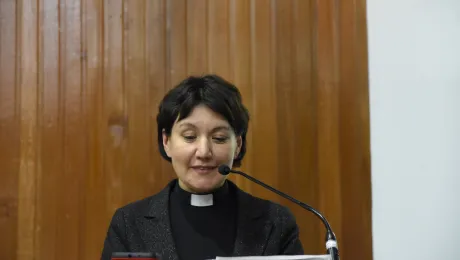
(212, 91)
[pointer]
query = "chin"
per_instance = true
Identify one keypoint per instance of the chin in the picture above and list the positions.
(205, 184)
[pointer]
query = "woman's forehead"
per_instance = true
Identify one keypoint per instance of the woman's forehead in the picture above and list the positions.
(203, 115)
(183, 125)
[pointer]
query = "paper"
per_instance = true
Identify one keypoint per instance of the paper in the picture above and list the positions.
(276, 257)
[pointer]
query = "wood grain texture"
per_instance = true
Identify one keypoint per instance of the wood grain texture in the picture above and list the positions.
(51, 129)
(9, 130)
(29, 144)
(80, 84)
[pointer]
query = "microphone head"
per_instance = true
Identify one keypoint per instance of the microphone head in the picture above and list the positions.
(224, 169)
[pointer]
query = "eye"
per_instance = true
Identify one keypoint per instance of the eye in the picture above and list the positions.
(189, 138)
(220, 140)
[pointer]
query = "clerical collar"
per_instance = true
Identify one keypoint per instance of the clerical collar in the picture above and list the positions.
(202, 199)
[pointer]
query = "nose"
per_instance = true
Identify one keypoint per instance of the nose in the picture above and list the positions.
(204, 149)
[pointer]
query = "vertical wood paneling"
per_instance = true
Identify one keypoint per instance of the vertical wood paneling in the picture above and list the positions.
(264, 94)
(176, 41)
(282, 27)
(157, 82)
(351, 139)
(27, 40)
(114, 121)
(92, 65)
(80, 84)
(304, 102)
(350, 117)
(69, 221)
(240, 72)
(328, 84)
(51, 129)
(135, 172)
(9, 130)
(197, 43)
(352, 50)
(218, 30)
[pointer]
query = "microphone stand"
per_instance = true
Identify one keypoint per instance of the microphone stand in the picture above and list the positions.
(331, 241)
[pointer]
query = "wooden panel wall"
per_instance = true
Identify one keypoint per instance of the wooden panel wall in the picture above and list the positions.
(80, 82)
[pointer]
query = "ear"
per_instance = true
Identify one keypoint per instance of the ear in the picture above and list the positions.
(239, 143)
(166, 142)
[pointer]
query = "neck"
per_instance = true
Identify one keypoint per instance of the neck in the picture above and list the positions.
(186, 188)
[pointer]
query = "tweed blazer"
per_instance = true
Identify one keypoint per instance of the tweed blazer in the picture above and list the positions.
(263, 227)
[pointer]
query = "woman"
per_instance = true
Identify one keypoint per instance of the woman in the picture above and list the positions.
(202, 124)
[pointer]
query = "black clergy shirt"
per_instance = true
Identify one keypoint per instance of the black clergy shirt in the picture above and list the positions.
(203, 232)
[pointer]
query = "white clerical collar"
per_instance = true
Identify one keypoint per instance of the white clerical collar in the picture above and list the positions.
(204, 200)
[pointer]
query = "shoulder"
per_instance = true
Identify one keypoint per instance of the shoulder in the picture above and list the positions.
(144, 206)
(271, 210)
(285, 233)
(137, 207)
(284, 238)
(280, 214)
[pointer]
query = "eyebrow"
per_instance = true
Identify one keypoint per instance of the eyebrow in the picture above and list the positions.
(215, 129)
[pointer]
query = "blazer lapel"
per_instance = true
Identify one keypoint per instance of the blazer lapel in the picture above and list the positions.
(252, 234)
(155, 226)
(253, 230)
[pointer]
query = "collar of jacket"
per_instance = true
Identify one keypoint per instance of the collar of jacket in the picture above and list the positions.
(253, 227)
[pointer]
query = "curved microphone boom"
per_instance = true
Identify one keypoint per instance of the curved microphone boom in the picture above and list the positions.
(331, 241)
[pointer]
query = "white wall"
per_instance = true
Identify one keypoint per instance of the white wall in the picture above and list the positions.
(414, 67)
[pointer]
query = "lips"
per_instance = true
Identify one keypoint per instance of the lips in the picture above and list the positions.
(203, 169)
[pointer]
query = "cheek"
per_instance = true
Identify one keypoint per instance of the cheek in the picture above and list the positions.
(224, 152)
(178, 150)
(181, 153)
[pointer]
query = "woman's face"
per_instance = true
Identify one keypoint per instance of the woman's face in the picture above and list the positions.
(197, 146)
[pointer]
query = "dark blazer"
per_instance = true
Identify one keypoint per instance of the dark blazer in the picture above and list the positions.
(263, 227)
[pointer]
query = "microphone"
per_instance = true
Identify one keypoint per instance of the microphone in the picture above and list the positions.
(331, 241)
